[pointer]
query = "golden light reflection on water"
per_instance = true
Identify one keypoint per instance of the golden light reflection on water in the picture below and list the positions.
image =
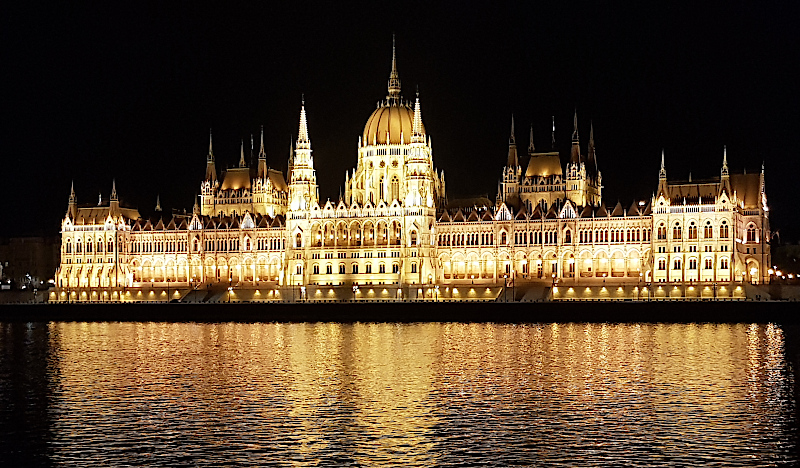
(420, 394)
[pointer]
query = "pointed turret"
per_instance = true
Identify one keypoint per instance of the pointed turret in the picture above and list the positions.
(513, 160)
(158, 203)
(114, 200)
(394, 78)
(417, 130)
(303, 141)
(591, 161)
(262, 158)
(575, 156)
(531, 147)
(211, 170)
(725, 181)
(302, 176)
(242, 162)
(662, 178)
(553, 135)
(724, 170)
(196, 207)
(72, 209)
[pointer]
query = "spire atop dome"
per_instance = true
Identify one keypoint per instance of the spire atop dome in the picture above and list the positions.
(662, 173)
(210, 146)
(417, 130)
(394, 78)
(113, 189)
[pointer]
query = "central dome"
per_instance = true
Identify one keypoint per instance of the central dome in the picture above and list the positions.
(396, 118)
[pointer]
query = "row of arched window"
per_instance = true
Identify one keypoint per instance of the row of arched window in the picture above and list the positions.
(589, 236)
(692, 231)
(677, 264)
(354, 268)
(88, 247)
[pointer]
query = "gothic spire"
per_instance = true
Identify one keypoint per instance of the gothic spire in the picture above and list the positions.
(531, 147)
(724, 172)
(575, 156)
(591, 159)
(211, 170)
(262, 158)
(113, 189)
(303, 142)
(158, 203)
(513, 161)
(72, 208)
(394, 78)
(575, 131)
(663, 189)
(242, 162)
(262, 154)
(417, 130)
(553, 139)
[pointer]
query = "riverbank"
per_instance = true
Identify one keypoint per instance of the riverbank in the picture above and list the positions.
(605, 311)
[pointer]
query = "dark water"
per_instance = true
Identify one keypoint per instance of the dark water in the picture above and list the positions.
(163, 394)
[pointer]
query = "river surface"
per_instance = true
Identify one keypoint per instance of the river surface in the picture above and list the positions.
(437, 394)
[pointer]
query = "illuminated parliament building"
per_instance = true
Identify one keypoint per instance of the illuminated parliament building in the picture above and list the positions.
(257, 234)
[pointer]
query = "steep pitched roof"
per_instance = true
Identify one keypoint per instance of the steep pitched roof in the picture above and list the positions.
(618, 211)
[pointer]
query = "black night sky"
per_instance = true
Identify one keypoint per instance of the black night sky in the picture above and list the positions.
(129, 91)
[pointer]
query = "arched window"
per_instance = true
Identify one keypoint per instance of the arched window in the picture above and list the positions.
(395, 188)
(298, 240)
(662, 232)
(723, 264)
(568, 237)
(662, 264)
(692, 231)
(676, 265)
(723, 230)
(247, 243)
(708, 230)
(413, 237)
(751, 233)
(503, 238)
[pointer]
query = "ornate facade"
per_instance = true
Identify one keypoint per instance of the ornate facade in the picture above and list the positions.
(393, 234)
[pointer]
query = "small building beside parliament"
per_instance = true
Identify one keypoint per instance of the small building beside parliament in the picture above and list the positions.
(257, 234)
